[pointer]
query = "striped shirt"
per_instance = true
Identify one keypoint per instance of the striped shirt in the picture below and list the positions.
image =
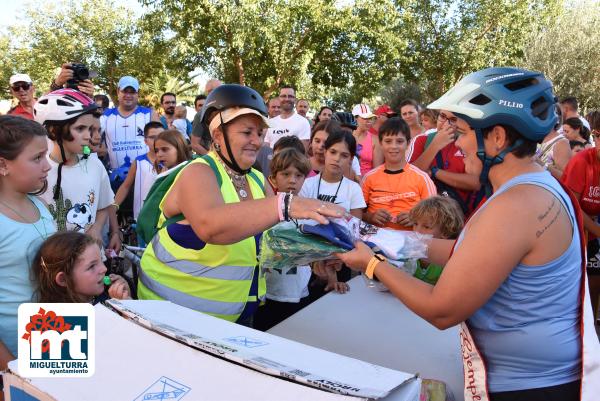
(125, 135)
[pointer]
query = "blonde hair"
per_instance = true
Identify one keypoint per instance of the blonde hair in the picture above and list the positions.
(444, 211)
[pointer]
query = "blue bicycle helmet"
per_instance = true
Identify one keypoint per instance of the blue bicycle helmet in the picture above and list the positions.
(508, 96)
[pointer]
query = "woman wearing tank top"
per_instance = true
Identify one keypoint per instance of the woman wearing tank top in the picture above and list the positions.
(514, 279)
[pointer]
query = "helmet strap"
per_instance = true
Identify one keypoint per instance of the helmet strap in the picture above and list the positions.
(63, 158)
(489, 162)
(229, 161)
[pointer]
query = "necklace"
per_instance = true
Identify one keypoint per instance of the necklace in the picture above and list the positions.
(328, 198)
(27, 221)
(238, 181)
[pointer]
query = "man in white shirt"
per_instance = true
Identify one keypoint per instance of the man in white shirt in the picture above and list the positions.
(288, 122)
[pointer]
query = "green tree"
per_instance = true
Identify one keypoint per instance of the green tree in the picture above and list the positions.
(106, 37)
(567, 52)
(451, 38)
(260, 43)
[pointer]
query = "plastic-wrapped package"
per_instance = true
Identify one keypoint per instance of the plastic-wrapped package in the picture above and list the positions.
(289, 244)
(285, 246)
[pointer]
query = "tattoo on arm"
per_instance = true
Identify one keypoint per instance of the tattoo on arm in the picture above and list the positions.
(543, 215)
(539, 233)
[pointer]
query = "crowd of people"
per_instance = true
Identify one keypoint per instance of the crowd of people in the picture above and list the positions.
(505, 179)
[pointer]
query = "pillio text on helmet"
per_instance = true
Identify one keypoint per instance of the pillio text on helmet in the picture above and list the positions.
(508, 103)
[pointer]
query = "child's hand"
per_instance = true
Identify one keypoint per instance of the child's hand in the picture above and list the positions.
(337, 286)
(381, 217)
(119, 289)
(403, 219)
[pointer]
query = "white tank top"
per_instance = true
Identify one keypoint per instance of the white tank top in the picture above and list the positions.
(144, 178)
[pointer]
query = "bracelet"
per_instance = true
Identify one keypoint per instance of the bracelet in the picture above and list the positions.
(372, 264)
(434, 171)
(54, 86)
(281, 206)
(116, 205)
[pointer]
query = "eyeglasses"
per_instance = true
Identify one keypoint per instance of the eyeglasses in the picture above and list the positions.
(451, 120)
(287, 96)
(23, 85)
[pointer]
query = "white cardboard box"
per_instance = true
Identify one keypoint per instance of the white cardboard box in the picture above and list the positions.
(145, 363)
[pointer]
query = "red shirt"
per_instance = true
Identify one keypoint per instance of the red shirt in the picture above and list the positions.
(21, 112)
(582, 175)
(452, 159)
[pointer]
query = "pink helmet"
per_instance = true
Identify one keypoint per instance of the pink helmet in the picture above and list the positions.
(62, 105)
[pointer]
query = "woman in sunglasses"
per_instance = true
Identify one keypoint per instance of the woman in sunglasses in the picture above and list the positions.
(21, 87)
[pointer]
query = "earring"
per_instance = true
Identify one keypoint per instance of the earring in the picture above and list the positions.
(217, 147)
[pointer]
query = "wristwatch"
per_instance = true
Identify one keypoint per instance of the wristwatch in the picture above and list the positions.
(434, 171)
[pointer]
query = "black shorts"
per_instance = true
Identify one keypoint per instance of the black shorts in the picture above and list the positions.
(562, 392)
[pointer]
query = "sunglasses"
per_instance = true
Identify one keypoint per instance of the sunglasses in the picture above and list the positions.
(596, 133)
(23, 85)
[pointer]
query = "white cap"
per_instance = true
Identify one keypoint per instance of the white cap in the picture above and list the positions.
(19, 78)
(362, 111)
(233, 113)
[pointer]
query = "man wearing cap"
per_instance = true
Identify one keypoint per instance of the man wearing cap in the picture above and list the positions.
(21, 87)
(124, 124)
(288, 122)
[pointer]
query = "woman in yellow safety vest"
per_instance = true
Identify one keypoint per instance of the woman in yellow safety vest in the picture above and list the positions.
(207, 261)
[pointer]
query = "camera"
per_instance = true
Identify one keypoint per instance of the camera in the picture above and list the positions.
(80, 73)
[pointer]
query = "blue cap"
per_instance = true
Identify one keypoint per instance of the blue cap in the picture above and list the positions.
(128, 81)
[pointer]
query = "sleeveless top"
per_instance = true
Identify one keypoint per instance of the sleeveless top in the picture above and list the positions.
(528, 331)
(364, 151)
(125, 135)
(144, 178)
(19, 243)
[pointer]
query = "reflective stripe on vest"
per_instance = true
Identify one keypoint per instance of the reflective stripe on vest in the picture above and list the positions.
(191, 301)
(198, 270)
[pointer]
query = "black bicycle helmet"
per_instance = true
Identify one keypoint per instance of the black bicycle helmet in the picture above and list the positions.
(345, 119)
(222, 98)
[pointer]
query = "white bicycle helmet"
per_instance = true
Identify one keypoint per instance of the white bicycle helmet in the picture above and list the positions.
(62, 105)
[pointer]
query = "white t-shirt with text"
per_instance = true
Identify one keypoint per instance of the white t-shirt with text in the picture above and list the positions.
(295, 125)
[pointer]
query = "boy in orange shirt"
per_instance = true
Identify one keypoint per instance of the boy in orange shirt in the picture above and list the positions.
(394, 188)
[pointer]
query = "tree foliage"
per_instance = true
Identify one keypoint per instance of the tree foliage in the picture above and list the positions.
(106, 37)
(264, 43)
(451, 38)
(567, 52)
(336, 52)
